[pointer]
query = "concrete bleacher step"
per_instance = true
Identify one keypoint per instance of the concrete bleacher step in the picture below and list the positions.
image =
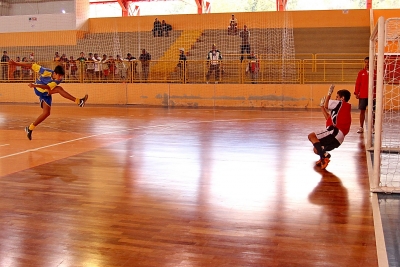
(185, 40)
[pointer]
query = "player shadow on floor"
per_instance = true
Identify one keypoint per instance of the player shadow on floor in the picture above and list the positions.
(332, 196)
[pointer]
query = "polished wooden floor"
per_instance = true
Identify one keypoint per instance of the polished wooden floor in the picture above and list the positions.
(128, 186)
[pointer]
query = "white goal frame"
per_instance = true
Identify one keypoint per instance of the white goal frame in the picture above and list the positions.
(384, 152)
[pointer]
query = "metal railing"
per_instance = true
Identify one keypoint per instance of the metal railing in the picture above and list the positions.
(269, 71)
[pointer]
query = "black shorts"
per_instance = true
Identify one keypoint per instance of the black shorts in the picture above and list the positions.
(330, 138)
(362, 103)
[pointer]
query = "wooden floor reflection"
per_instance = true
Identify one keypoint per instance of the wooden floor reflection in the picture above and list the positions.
(126, 186)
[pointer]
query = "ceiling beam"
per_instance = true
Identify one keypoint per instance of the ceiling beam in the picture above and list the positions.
(369, 4)
(281, 5)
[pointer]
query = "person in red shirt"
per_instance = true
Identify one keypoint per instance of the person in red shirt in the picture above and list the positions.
(337, 126)
(361, 92)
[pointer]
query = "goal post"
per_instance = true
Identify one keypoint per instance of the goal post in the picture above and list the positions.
(383, 123)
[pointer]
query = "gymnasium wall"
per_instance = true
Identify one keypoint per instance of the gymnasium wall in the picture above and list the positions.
(185, 95)
(196, 95)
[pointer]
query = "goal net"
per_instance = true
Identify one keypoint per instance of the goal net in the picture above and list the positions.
(266, 55)
(384, 119)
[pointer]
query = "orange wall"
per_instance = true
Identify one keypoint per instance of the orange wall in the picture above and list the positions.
(386, 13)
(301, 19)
(184, 95)
(38, 38)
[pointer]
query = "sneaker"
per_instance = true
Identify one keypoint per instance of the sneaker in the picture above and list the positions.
(360, 130)
(326, 155)
(324, 163)
(83, 101)
(28, 133)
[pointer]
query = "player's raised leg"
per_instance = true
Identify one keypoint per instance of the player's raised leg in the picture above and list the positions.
(79, 101)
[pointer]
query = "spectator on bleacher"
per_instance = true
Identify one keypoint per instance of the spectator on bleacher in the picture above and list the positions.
(245, 45)
(111, 66)
(233, 25)
(131, 65)
(81, 57)
(181, 66)
(157, 28)
(17, 71)
(26, 70)
(72, 67)
(98, 71)
(120, 69)
(214, 58)
(64, 61)
(165, 28)
(90, 66)
(32, 57)
(253, 67)
(4, 65)
(81, 60)
(56, 57)
(145, 58)
(104, 65)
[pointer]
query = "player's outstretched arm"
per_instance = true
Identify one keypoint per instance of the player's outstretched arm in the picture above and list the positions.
(22, 64)
(41, 86)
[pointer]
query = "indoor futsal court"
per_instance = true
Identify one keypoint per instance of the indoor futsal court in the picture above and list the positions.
(134, 186)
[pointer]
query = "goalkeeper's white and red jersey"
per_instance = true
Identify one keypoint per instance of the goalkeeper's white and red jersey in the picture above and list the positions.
(340, 115)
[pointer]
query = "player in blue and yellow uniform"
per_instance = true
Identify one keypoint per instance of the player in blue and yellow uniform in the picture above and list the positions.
(46, 85)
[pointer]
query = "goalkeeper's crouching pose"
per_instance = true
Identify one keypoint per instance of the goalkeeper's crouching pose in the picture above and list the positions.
(45, 86)
(338, 120)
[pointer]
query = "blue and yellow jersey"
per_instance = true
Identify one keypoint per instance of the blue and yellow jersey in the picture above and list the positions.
(45, 77)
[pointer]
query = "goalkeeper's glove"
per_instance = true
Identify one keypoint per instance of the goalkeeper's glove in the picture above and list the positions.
(322, 102)
(330, 90)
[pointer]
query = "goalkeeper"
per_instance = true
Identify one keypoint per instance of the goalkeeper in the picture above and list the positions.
(45, 86)
(338, 120)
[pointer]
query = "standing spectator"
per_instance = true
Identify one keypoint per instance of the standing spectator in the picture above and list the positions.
(82, 61)
(214, 58)
(26, 70)
(145, 58)
(72, 67)
(131, 65)
(253, 67)
(90, 66)
(64, 61)
(120, 69)
(17, 72)
(157, 28)
(32, 57)
(181, 66)
(361, 92)
(165, 28)
(104, 65)
(233, 25)
(111, 66)
(245, 46)
(4, 65)
(56, 57)
(98, 69)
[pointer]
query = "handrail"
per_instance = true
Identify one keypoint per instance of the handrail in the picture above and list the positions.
(291, 71)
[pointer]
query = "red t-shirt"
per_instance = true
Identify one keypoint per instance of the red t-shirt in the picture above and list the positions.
(340, 115)
(361, 86)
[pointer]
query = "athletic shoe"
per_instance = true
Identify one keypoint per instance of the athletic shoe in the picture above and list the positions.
(324, 163)
(28, 133)
(326, 155)
(83, 101)
(360, 130)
